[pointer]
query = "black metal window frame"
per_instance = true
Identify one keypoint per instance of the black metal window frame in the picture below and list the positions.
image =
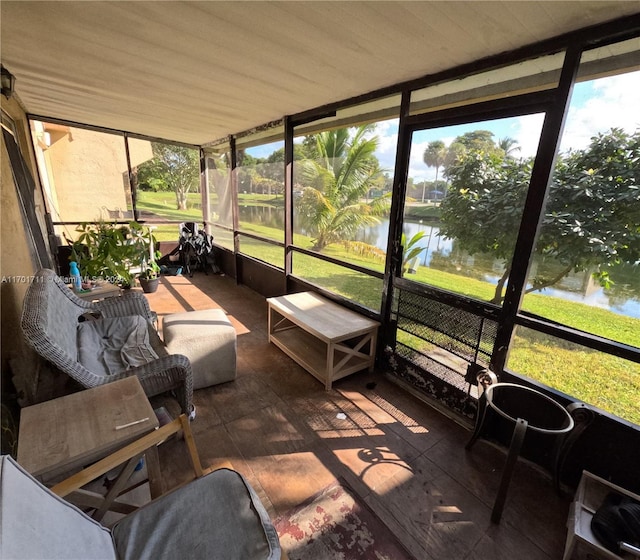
(554, 102)
(125, 136)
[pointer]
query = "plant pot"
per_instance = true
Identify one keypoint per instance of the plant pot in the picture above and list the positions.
(149, 285)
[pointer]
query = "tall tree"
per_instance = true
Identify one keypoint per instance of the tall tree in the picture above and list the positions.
(477, 140)
(177, 167)
(592, 217)
(483, 206)
(332, 206)
(434, 156)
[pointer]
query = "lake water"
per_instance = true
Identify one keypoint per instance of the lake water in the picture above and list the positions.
(442, 254)
(580, 287)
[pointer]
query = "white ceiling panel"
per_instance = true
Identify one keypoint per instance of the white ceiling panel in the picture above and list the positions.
(198, 71)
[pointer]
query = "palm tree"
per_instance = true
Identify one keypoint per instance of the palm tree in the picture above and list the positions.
(508, 146)
(332, 206)
(434, 156)
(410, 249)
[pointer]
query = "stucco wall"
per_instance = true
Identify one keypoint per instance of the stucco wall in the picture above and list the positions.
(87, 176)
(88, 171)
(17, 265)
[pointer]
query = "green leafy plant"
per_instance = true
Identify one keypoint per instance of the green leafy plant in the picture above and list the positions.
(411, 250)
(336, 181)
(144, 254)
(113, 251)
(151, 271)
(591, 213)
(101, 252)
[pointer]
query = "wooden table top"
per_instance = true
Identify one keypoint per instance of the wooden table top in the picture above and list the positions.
(324, 318)
(100, 291)
(70, 432)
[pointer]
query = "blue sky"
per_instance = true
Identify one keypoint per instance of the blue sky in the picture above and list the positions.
(265, 150)
(596, 106)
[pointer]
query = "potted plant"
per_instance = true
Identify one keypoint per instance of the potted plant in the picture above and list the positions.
(148, 278)
(143, 245)
(102, 252)
(115, 252)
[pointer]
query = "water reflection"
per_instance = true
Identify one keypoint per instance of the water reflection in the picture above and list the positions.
(267, 215)
(623, 297)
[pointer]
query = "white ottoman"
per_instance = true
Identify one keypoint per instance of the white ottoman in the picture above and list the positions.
(208, 339)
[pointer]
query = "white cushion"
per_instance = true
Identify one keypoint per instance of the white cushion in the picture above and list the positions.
(37, 524)
(208, 339)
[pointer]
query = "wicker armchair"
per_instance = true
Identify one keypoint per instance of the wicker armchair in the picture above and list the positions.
(50, 319)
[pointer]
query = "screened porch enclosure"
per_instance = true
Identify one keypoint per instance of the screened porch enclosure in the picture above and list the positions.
(486, 214)
(391, 235)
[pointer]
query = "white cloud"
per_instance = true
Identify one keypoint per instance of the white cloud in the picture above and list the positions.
(387, 132)
(613, 102)
(417, 168)
(527, 133)
(596, 106)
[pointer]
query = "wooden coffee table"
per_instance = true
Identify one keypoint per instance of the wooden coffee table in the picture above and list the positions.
(59, 436)
(326, 339)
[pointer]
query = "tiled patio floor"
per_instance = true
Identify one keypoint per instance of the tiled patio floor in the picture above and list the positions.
(278, 426)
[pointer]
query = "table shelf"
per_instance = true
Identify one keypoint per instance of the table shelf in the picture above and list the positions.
(581, 542)
(61, 436)
(327, 340)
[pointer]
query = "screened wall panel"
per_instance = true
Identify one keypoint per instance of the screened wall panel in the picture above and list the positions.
(259, 176)
(465, 194)
(351, 284)
(84, 173)
(585, 268)
(219, 200)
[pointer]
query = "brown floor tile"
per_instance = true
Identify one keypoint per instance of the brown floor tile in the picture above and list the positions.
(443, 517)
(291, 479)
(504, 543)
(290, 438)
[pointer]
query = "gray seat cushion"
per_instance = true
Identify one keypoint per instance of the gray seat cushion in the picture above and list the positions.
(208, 339)
(222, 519)
(113, 344)
(36, 524)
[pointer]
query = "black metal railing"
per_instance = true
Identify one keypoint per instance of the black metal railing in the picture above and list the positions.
(440, 344)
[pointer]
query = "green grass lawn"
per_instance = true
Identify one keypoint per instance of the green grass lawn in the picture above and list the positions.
(605, 381)
(610, 383)
(163, 204)
(416, 212)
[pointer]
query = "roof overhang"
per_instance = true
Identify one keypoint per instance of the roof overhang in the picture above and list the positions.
(194, 71)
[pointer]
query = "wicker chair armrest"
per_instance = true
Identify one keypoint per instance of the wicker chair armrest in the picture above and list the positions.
(167, 373)
(133, 303)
